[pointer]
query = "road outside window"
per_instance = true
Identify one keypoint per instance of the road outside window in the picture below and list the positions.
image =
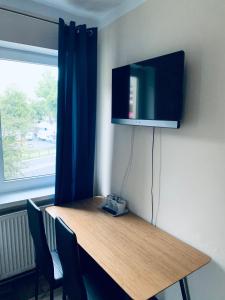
(28, 95)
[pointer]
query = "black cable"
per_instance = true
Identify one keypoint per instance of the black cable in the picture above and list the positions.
(152, 184)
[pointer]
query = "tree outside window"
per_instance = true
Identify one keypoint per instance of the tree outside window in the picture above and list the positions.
(28, 118)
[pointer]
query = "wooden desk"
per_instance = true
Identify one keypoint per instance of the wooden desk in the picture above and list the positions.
(142, 259)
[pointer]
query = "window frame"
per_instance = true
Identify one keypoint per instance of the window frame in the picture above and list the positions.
(36, 55)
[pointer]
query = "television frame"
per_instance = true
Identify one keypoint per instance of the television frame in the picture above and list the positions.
(153, 122)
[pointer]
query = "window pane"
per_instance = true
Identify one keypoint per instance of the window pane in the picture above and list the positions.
(28, 95)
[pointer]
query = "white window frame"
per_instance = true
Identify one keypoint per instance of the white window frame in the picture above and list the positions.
(25, 53)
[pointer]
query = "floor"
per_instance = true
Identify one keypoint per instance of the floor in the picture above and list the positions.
(23, 289)
(45, 296)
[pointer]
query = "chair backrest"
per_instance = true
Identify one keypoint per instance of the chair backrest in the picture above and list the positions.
(68, 251)
(43, 256)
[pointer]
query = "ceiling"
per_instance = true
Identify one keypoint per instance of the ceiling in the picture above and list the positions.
(83, 6)
(98, 12)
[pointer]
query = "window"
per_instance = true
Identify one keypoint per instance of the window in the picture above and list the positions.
(28, 94)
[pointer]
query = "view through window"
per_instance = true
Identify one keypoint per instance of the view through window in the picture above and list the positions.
(28, 95)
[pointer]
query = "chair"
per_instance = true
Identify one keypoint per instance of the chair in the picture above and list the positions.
(66, 241)
(47, 263)
(78, 285)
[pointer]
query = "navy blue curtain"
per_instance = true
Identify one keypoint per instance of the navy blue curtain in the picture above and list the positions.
(76, 111)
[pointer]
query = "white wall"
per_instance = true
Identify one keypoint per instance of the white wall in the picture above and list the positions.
(25, 30)
(192, 189)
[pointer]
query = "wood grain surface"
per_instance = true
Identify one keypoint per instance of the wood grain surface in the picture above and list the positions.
(141, 258)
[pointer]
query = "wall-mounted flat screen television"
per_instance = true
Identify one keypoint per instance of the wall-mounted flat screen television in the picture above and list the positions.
(150, 92)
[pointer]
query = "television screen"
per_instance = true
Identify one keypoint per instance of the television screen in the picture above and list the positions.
(149, 92)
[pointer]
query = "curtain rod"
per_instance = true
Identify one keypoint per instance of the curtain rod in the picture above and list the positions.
(28, 15)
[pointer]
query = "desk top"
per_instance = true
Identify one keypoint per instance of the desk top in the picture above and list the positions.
(141, 258)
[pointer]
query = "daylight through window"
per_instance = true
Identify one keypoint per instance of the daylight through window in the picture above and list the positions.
(28, 93)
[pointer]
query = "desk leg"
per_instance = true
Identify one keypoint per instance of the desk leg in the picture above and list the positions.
(184, 289)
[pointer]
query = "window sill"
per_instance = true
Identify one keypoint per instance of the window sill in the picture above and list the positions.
(11, 201)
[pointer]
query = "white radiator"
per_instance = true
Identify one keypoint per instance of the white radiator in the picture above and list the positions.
(16, 246)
